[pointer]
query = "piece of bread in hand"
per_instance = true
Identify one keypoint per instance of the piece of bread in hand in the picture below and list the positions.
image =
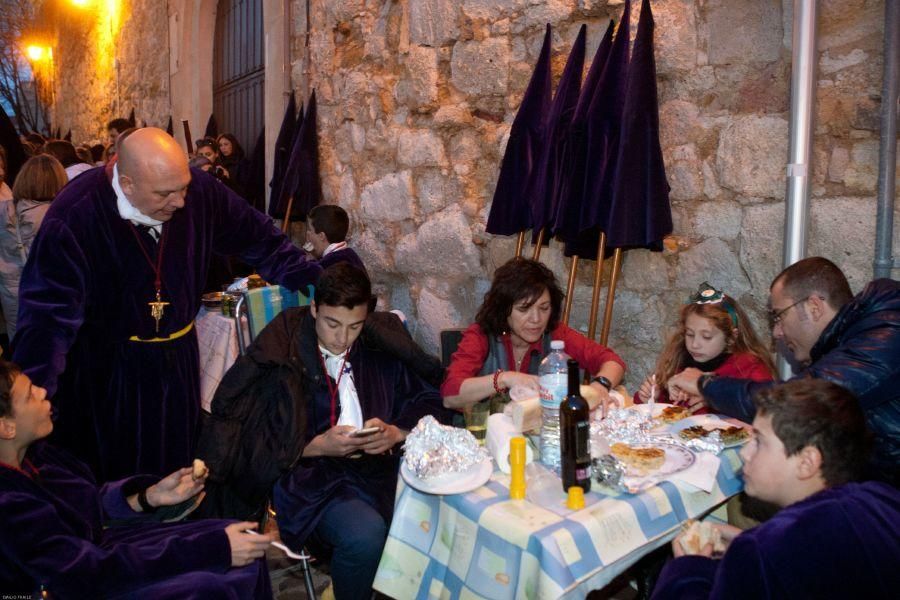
(698, 535)
(199, 469)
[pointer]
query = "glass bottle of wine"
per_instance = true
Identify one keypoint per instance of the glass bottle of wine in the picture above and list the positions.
(575, 430)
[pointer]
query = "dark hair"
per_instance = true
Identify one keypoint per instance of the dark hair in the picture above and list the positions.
(97, 152)
(84, 155)
(39, 179)
(35, 138)
(207, 143)
(237, 152)
(119, 125)
(330, 219)
(63, 151)
(819, 413)
(517, 280)
(8, 373)
(815, 275)
(344, 285)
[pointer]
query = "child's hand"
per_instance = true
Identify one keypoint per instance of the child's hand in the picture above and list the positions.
(694, 403)
(645, 390)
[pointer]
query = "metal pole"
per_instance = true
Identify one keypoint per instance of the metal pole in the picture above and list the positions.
(598, 278)
(803, 94)
(887, 163)
(570, 289)
(520, 243)
(611, 295)
(539, 244)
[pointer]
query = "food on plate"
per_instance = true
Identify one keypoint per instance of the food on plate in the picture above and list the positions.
(670, 414)
(733, 435)
(696, 536)
(643, 459)
(199, 469)
(695, 432)
(728, 435)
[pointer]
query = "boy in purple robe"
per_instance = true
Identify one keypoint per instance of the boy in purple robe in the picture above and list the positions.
(109, 294)
(56, 542)
(326, 236)
(833, 538)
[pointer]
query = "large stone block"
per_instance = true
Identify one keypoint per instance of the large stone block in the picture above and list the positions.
(646, 271)
(441, 247)
(480, 68)
(375, 254)
(548, 11)
(761, 242)
(433, 22)
(684, 172)
(489, 9)
(420, 88)
(389, 199)
(752, 154)
(679, 123)
(843, 231)
(466, 152)
(420, 148)
(434, 313)
(435, 191)
(861, 173)
(675, 35)
(744, 32)
(714, 261)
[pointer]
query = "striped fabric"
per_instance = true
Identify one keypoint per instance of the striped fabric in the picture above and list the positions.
(266, 302)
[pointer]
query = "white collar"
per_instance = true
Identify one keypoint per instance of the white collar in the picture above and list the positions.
(334, 248)
(127, 210)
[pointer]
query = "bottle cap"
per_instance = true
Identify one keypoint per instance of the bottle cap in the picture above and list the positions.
(575, 501)
(557, 345)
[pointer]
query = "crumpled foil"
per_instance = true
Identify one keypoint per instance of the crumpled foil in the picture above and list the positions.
(610, 471)
(432, 449)
(624, 425)
(708, 443)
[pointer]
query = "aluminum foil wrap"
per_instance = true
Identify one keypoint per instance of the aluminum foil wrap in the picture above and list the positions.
(624, 425)
(432, 449)
(708, 443)
(610, 471)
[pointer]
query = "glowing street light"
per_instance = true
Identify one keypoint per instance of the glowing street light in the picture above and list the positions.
(37, 53)
(81, 3)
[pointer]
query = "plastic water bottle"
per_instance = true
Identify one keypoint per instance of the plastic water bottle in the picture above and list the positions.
(554, 381)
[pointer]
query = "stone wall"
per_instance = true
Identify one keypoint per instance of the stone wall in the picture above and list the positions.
(416, 98)
(90, 89)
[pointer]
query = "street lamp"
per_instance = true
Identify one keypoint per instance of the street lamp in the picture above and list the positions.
(37, 53)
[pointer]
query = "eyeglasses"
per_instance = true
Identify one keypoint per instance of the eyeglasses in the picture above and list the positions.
(775, 316)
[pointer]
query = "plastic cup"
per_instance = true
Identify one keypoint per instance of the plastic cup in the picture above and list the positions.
(476, 417)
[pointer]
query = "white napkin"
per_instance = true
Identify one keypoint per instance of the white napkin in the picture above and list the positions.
(500, 430)
(351, 413)
(701, 474)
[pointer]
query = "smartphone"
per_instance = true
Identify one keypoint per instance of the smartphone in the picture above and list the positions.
(365, 432)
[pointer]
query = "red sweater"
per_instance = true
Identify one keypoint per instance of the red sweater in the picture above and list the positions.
(473, 350)
(740, 365)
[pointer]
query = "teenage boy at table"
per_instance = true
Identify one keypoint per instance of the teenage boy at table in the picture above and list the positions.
(326, 236)
(57, 540)
(833, 538)
(339, 499)
(851, 341)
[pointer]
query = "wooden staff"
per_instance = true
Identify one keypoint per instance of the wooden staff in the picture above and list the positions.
(539, 244)
(520, 243)
(611, 295)
(598, 279)
(285, 225)
(570, 289)
(188, 141)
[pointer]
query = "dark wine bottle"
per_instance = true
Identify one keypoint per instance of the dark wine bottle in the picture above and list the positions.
(574, 431)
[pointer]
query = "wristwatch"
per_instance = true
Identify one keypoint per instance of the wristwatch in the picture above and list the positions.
(602, 381)
(704, 379)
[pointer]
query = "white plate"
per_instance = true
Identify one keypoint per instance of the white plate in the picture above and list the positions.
(452, 483)
(709, 422)
(678, 458)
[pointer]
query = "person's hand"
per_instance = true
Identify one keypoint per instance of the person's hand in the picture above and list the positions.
(384, 440)
(693, 403)
(245, 547)
(508, 379)
(685, 382)
(175, 488)
(604, 402)
(678, 550)
(337, 442)
(729, 532)
(646, 388)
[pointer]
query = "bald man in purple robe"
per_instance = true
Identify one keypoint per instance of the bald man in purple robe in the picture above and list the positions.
(109, 294)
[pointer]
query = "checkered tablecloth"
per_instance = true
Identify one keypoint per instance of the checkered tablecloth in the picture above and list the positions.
(484, 545)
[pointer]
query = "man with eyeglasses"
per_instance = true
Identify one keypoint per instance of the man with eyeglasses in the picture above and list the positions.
(851, 341)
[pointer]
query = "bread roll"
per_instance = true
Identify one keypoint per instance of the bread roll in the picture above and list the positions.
(199, 469)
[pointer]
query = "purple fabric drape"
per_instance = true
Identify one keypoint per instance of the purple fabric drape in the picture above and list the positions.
(256, 174)
(640, 215)
(301, 178)
(283, 144)
(212, 127)
(511, 210)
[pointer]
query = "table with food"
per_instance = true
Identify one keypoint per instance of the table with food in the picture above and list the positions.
(457, 532)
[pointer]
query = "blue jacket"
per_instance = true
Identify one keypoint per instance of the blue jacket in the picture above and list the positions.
(860, 350)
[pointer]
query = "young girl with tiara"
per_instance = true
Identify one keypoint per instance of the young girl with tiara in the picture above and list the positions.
(715, 336)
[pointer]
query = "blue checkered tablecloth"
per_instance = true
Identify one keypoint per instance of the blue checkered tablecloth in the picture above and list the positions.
(484, 545)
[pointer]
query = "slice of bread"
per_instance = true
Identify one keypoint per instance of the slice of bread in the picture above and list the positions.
(698, 534)
(643, 459)
(670, 414)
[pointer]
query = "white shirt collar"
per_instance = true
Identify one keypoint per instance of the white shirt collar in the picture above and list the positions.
(334, 248)
(127, 210)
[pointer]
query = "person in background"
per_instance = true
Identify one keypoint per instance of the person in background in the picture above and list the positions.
(326, 236)
(66, 154)
(852, 341)
(832, 538)
(114, 128)
(38, 182)
(84, 153)
(233, 162)
(5, 190)
(715, 336)
(65, 537)
(519, 317)
(33, 143)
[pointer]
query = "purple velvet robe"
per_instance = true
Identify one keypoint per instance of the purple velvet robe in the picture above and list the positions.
(347, 255)
(54, 539)
(843, 542)
(122, 406)
(387, 390)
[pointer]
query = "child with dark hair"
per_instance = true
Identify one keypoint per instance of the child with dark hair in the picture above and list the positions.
(57, 537)
(833, 537)
(326, 236)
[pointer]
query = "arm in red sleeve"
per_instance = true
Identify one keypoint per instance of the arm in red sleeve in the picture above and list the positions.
(467, 361)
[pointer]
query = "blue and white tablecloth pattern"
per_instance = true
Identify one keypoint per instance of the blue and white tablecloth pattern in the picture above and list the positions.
(483, 545)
